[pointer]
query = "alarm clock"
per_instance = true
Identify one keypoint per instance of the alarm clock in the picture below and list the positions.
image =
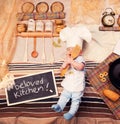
(108, 19)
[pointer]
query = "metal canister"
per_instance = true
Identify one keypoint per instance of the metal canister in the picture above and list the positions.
(118, 20)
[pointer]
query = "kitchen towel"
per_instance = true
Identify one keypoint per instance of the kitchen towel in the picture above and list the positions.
(100, 85)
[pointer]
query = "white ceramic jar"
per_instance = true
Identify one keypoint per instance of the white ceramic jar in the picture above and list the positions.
(39, 25)
(31, 25)
(49, 26)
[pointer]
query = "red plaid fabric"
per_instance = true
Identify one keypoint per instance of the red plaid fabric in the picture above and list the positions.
(99, 85)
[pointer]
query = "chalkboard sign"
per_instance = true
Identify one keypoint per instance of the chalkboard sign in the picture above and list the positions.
(32, 87)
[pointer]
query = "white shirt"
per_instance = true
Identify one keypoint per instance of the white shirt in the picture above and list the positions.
(75, 79)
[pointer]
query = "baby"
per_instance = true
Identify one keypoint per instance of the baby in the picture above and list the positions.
(74, 81)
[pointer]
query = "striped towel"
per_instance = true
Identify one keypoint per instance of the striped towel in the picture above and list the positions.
(92, 104)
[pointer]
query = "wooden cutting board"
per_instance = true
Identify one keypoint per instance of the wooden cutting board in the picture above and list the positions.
(28, 7)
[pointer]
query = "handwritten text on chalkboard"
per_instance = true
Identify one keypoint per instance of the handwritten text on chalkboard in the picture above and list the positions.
(32, 87)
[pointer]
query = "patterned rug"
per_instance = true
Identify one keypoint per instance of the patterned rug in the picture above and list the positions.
(92, 104)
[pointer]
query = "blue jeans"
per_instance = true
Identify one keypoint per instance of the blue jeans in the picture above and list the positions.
(75, 100)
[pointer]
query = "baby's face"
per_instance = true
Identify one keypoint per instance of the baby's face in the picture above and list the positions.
(69, 50)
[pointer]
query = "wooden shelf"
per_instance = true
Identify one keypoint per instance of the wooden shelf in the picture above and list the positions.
(37, 34)
(41, 16)
(115, 28)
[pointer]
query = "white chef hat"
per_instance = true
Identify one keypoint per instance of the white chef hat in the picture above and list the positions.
(75, 35)
(64, 33)
(83, 32)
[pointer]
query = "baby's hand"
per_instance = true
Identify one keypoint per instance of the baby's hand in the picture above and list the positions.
(69, 59)
(64, 65)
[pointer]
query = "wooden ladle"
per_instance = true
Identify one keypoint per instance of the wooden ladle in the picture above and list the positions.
(34, 53)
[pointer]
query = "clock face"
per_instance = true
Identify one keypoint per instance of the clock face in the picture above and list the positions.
(108, 20)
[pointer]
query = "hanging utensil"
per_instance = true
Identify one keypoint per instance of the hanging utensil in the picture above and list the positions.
(26, 49)
(43, 52)
(34, 53)
(52, 58)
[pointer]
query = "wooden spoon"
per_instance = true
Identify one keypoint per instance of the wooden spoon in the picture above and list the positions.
(75, 52)
(34, 53)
